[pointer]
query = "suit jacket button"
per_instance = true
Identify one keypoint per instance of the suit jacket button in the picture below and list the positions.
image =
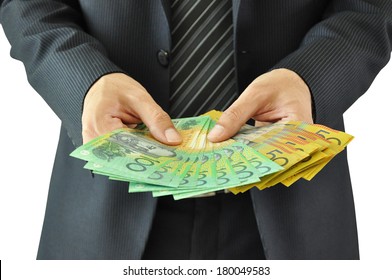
(163, 57)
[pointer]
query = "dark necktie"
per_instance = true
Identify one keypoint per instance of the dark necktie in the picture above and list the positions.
(202, 67)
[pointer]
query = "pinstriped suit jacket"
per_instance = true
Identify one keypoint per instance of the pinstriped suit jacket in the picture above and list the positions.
(337, 47)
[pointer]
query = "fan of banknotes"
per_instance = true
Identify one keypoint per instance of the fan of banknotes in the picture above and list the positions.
(260, 157)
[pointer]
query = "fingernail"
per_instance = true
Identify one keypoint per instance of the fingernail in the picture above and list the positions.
(172, 135)
(216, 132)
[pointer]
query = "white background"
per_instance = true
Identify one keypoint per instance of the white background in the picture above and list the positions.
(28, 139)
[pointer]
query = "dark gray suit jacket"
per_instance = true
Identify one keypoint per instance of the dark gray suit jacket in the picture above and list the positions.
(337, 47)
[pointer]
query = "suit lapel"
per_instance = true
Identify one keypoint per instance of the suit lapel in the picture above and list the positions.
(166, 7)
(236, 7)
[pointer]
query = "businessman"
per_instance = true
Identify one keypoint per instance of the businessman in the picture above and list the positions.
(103, 65)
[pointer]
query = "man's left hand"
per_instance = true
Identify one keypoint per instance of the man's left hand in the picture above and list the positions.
(277, 95)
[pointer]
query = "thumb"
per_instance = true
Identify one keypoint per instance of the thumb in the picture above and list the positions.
(159, 124)
(231, 121)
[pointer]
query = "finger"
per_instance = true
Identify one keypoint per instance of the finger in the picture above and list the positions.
(232, 120)
(111, 124)
(88, 135)
(260, 123)
(107, 125)
(159, 124)
(134, 125)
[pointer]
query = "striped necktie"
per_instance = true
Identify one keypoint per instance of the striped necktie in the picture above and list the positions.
(202, 58)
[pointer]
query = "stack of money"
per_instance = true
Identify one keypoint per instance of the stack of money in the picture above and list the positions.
(261, 157)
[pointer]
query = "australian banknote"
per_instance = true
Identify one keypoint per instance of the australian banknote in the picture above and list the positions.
(261, 157)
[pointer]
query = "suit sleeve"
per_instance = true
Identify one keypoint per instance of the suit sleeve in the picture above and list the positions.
(340, 56)
(61, 60)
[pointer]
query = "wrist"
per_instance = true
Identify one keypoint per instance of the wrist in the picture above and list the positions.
(300, 84)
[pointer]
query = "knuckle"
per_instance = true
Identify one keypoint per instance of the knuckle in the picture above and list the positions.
(87, 132)
(115, 123)
(233, 115)
(158, 115)
(87, 135)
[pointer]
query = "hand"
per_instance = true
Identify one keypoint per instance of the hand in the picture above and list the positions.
(277, 95)
(115, 101)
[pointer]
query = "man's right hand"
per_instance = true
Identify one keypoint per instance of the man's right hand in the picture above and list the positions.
(115, 101)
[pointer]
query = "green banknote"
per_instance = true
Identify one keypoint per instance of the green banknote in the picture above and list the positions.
(261, 157)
